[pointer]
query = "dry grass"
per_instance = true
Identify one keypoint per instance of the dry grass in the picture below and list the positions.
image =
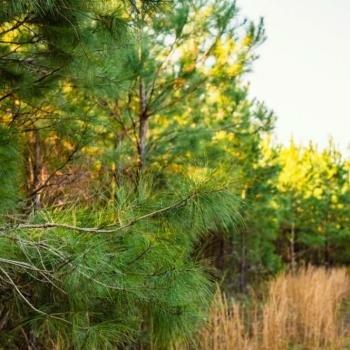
(301, 311)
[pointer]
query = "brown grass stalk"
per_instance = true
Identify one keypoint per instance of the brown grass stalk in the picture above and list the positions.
(301, 311)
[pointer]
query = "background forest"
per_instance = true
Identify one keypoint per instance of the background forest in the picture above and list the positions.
(135, 172)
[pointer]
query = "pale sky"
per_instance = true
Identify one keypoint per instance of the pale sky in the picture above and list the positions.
(303, 72)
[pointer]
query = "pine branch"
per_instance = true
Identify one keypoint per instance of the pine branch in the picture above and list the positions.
(47, 225)
(22, 296)
(6, 96)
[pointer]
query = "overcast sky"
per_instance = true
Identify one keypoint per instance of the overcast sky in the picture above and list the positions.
(303, 73)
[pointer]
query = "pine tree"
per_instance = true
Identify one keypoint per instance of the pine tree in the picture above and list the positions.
(313, 197)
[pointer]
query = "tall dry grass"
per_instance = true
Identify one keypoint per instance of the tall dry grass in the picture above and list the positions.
(301, 311)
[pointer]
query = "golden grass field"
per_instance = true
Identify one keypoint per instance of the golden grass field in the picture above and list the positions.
(301, 311)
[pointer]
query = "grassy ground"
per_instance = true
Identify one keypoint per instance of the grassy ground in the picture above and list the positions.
(307, 310)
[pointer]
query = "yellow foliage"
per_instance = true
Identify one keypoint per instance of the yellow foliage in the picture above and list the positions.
(247, 41)
(67, 145)
(97, 165)
(66, 88)
(92, 150)
(223, 135)
(175, 168)
(197, 174)
(234, 69)
(181, 121)
(318, 192)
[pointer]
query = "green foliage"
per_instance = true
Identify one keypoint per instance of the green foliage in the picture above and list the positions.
(100, 290)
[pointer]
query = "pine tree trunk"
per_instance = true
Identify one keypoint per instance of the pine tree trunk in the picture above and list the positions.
(327, 253)
(292, 248)
(242, 281)
(36, 169)
(143, 126)
(116, 167)
(327, 248)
